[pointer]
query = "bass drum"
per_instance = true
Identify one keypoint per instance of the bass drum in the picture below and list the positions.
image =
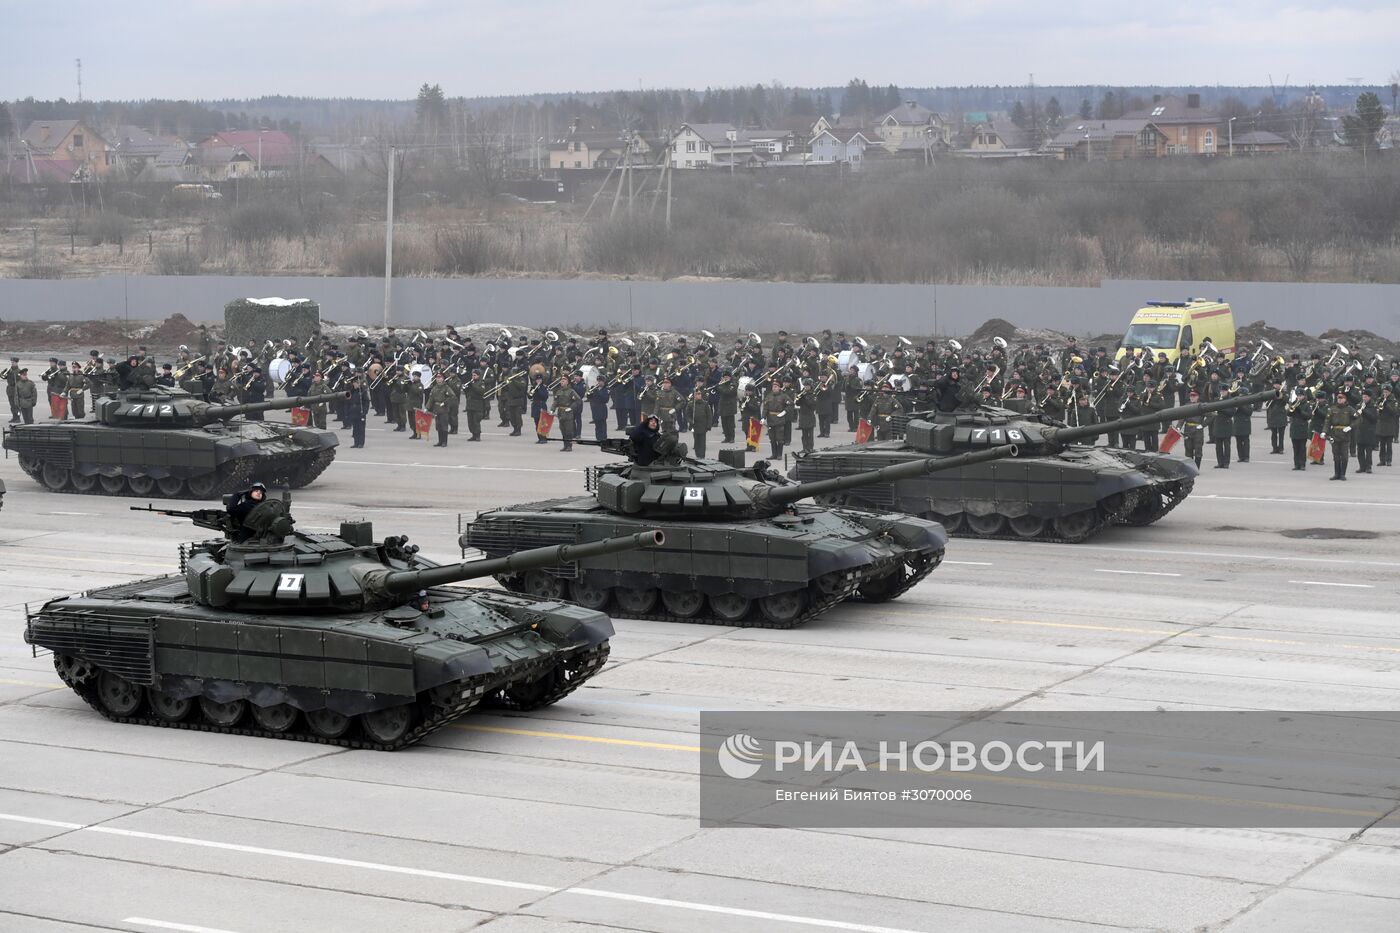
(278, 370)
(744, 383)
(590, 374)
(423, 373)
(846, 359)
(867, 372)
(537, 369)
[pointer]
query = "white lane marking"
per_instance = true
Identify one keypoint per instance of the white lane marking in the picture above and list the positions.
(449, 876)
(1384, 505)
(1139, 573)
(1359, 586)
(736, 911)
(72, 513)
(452, 466)
(167, 925)
(969, 563)
(1218, 555)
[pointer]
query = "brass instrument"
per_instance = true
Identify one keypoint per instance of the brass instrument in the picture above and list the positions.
(1254, 367)
(987, 379)
(496, 389)
(179, 373)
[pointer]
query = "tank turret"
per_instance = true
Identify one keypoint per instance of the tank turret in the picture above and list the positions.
(676, 486)
(1055, 489)
(173, 408)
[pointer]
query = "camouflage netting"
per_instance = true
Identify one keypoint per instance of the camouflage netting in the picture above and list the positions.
(276, 319)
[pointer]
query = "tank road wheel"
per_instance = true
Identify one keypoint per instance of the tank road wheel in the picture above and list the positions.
(327, 723)
(544, 585)
(54, 477)
(1076, 526)
(986, 525)
(73, 670)
(83, 482)
(203, 487)
(226, 715)
(731, 607)
(684, 603)
(118, 696)
(951, 523)
(112, 485)
(277, 718)
(783, 609)
(387, 726)
(589, 596)
(636, 601)
(1027, 526)
(170, 486)
(167, 707)
(140, 485)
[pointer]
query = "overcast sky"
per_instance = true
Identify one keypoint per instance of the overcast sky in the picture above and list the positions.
(387, 48)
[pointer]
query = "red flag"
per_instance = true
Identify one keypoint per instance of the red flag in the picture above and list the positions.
(864, 431)
(301, 417)
(422, 422)
(58, 406)
(546, 424)
(755, 433)
(1316, 448)
(1169, 440)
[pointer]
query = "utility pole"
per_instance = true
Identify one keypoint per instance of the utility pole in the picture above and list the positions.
(80, 79)
(389, 238)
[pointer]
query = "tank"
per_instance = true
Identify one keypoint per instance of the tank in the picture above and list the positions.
(332, 638)
(1056, 489)
(165, 442)
(742, 547)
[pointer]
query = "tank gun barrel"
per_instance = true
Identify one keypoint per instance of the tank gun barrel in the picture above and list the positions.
(1070, 435)
(784, 495)
(408, 581)
(222, 412)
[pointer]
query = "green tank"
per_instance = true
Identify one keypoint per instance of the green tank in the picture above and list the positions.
(742, 548)
(331, 638)
(165, 442)
(1055, 490)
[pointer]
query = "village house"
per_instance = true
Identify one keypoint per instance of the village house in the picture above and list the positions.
(913, 123)
(1098, 140)
(837, 144)
(583, 149)
(703, 145)
(1258, 142)
(60, 150)
(1189, 128)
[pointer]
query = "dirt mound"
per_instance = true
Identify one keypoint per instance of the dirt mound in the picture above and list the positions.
(1361, 344)
(173, 331)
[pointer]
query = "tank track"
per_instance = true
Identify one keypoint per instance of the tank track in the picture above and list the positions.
(310, 471)
(909, 583)
(440, 717)
(1173, 494)
(755, 618)
(581, 666)
(235, 476)
(292, 470)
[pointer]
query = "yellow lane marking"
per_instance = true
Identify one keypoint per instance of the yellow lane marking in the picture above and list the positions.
(596, 739)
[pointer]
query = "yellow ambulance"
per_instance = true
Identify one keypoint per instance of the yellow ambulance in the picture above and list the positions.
(1171, 326)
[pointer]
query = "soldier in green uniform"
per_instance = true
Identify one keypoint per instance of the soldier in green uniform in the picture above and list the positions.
(1340, 419)
(727, 400)
(561, 401)
(26, 396)
(320, 409)
(455, 385)
(1365, 432)
(477, 405)
(668, 403)
(883, 410)
(1387, 423)
(398, 400)
(775, 413)
(11, 374)
(699, 415)
(1193, 432)
(852, 388)
(76, 391)
(442, 401)
(1222, 428)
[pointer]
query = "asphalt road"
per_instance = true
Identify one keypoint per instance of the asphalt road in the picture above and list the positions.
(583, 816)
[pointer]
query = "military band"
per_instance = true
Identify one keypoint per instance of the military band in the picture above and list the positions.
(787, 388)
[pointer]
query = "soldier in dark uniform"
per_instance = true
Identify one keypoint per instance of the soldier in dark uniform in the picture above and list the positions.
(807, 414)
(1243, 425)
(597, 398)
(11, 374)
(1319, 426)
(1365, 432)
(1222, 426)
(1387, 423)
(539, 402)
(851, 387)
(1300, 412)
(752, 408)
(357, 408)
(1276, 416)
(256, 391)
(1340, 419)
(726, 395)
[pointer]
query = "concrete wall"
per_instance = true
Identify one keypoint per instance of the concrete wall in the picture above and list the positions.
(915, 310)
